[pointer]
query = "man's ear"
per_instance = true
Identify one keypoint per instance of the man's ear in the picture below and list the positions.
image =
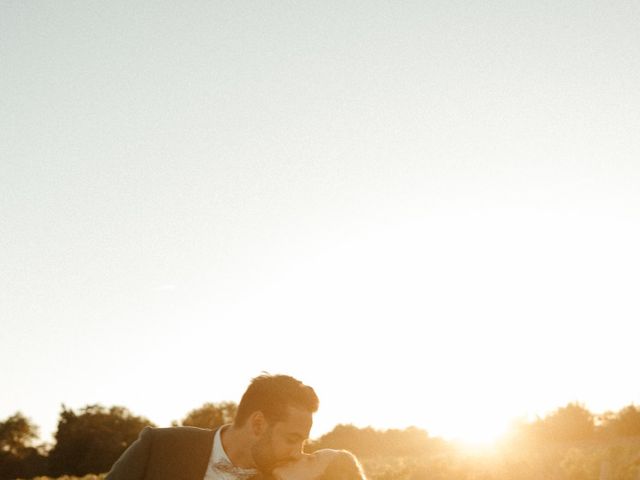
(258, 423)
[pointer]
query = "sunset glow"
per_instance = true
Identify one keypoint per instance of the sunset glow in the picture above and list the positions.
(429, 212)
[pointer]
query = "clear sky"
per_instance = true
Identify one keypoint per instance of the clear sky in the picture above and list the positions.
(430, 211)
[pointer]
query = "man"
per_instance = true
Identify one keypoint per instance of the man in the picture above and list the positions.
(273, 421)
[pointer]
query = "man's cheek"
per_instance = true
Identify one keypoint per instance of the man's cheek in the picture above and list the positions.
(282, 452)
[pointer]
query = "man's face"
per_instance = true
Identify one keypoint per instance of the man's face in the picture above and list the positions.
(282, 441)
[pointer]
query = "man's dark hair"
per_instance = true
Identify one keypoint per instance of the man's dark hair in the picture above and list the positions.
(272, 395)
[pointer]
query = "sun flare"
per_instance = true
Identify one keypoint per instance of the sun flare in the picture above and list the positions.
(478, 435)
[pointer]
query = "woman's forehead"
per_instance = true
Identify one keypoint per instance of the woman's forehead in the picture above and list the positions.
(308, 466)
(327, 453)
(325, 456)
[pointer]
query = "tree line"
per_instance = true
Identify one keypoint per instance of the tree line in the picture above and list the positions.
(90, 439)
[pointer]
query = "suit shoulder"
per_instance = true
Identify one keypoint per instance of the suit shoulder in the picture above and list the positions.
(178, 432)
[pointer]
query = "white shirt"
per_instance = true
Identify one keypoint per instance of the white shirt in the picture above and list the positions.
(220, 467)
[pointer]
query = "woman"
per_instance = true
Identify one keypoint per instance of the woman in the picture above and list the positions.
(326, 464)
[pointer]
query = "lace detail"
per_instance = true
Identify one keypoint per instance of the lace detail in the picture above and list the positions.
(239, 473)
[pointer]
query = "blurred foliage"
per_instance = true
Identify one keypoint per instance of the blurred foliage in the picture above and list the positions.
(17, 433)
(365, 442)
(210, 415)
(18, 455)
(567, 424)
(625, 423)
(91, 439)
(568, 444)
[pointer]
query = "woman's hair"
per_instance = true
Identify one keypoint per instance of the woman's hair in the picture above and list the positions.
(344, 466)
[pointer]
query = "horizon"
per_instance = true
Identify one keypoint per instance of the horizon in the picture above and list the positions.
(480, 440)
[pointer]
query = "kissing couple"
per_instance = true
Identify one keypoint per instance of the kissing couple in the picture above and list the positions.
(264, 442)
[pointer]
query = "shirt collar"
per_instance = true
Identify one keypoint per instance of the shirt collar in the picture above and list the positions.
(219, 456)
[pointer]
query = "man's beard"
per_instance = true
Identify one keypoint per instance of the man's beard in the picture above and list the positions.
(262, 453)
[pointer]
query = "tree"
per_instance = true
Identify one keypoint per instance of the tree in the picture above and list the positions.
(629, 421)
(368, 442)
(16, 434)
(210, 415)
(92, 439)
(567, 424)
(18, 455)
(625, 423)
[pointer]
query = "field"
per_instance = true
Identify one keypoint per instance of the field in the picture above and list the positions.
(616, 461)
(619, 461)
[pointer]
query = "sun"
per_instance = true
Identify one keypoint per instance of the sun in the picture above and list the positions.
(479, 433)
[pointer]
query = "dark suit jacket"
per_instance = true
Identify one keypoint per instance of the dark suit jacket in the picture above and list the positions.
(178, 453)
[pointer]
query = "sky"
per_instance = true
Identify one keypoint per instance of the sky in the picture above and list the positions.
(428, 211)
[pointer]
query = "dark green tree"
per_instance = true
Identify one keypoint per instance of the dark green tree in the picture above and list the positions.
(17, 433)
(91, 439)
(210, 415)
(19, 458)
